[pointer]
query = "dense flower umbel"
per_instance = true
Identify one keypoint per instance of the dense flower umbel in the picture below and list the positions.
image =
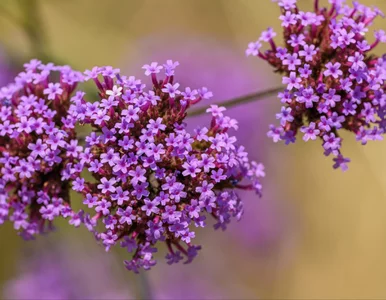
(332, 80)
(154, 180)
(37, 139)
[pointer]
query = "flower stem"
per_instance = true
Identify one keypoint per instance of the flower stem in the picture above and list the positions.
(240, 100)
(228, 103)
(30, 21)
(9, 15)
(33, 27)
(144, 290)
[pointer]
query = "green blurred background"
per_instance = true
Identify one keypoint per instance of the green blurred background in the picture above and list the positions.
(334, 245)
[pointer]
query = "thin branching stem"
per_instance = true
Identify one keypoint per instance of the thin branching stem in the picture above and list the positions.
(239, 100)
(33, 27)
(144, 289)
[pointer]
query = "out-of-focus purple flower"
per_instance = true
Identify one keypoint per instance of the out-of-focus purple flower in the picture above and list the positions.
(329, 72)
(168, 176)
(5, 69)
(65, 272)
(187, 285)
(37, 144)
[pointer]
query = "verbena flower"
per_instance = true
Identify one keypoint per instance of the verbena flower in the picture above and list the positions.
(332, 80)
(37, 140)
(153, 180)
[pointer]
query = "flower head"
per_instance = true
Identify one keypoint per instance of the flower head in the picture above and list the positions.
(37, 144)
(332, 80)
(154, 180)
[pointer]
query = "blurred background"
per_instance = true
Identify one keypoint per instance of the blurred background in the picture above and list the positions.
(316, 233)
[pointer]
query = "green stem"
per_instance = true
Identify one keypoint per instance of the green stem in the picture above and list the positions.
(240, 100)
(10, 16)
(228, 103)
(30, 21)
(144, 290)
(34, 28)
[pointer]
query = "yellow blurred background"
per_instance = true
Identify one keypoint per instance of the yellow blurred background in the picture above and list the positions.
(333, 225)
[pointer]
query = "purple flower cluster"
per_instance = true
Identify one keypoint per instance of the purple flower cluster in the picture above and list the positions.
(37, 140)
(332, 81)
(152, 179)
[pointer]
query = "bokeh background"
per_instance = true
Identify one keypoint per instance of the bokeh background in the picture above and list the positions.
(316, 233)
